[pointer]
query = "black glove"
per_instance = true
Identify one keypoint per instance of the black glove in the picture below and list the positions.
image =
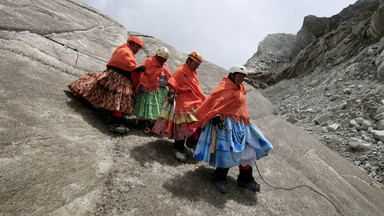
(217, 122)
(171, 96)
(140, 69)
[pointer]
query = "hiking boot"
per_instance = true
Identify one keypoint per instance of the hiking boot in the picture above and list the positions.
(251, 185)
(118, 128)
(245, 179)
(180, 156)
(179, 150)
(221, 178)
(220, 186)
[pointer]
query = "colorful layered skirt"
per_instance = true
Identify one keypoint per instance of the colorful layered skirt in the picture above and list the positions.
(148, 105)
(106, 89)
(175, 126)
(237, 144)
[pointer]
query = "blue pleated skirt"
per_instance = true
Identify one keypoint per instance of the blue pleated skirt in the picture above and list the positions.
(237, 144)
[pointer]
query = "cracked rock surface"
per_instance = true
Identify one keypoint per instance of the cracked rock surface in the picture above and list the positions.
(57, 157)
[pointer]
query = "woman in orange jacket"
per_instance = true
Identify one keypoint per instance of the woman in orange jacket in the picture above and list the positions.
(112, 88)
(184, 97)
(152, 88)
(229, 138)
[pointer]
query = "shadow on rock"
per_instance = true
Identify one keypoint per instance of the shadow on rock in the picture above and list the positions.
(97, 117)
(198, 185)
(94, 116)
(160, 151)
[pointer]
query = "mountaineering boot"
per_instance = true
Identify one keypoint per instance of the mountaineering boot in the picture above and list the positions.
(245, 179)
(192, 143)
(116, 125)
(178, 149)
(221, 178)
(118, 128)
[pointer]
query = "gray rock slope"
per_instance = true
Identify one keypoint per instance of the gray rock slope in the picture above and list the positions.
(333, 88)
(321, 42)
(57, 158)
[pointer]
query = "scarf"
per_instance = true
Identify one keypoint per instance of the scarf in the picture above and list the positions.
(185, 82)
(226, 100)
(123, 58)
(153, 71)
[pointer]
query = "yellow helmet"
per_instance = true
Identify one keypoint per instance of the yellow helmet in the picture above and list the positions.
(163, 52)
(195, 56)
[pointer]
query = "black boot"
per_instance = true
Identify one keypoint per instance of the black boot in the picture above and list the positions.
(245, 179)
(178, 145)
(221, 178)
(116, 124)
(178, 148)
(192, 143)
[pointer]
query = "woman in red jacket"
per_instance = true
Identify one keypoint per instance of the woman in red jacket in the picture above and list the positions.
(112, 88)
(184, 97)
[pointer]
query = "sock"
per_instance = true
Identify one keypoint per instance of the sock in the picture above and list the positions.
(117, 113)
(244, 167)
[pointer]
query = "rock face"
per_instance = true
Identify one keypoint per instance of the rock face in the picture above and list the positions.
(273, 53)
(320, 41)
(377, 28)
(57, 157)
(336, 79)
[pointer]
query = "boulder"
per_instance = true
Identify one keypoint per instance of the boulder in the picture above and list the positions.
(380, 125)
(323, 118)
(379, 116)
(377, 27)
(380, 109)
(378, 134)
(333, 127)
(366, 124)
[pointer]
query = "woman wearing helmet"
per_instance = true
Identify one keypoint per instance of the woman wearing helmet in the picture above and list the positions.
(229, 138)
(151, 87)
(112, 88)
(184, 97)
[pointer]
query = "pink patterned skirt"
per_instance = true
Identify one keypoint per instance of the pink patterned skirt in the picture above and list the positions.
(177, 128)
(107, 89)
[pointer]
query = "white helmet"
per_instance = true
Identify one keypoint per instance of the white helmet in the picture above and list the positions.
(163, 52)
(238, 69)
